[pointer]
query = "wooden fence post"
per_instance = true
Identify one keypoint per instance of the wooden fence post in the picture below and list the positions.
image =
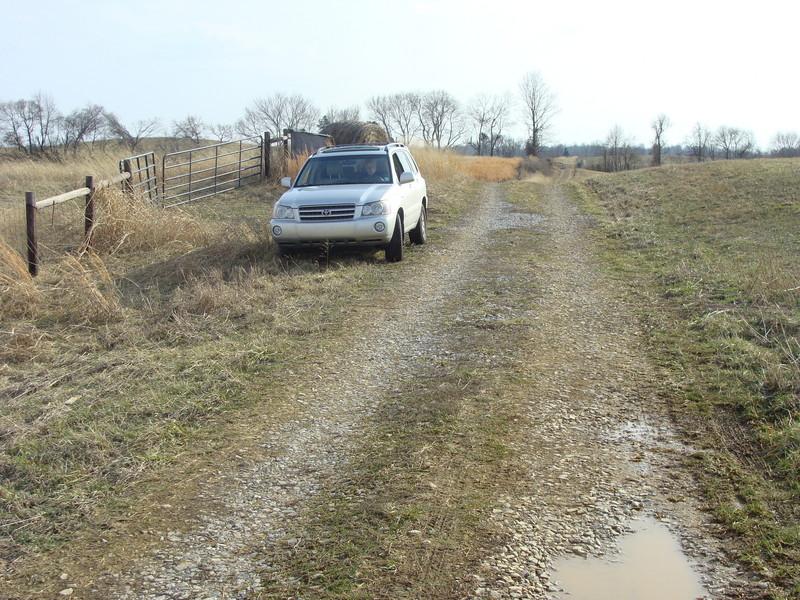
(267, 146)
(88, 213)
(127, 184)
(30, 219)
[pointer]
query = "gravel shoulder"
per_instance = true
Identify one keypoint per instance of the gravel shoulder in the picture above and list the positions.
(591, 442)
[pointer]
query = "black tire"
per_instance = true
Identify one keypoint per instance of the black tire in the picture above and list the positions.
(394, 251)
(419, 235)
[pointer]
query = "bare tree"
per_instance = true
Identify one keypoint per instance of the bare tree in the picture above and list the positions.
(379, 108)
(191, 128)
(440, 119)
(221, 133)
(699, 142)
(82, 125)
(277, 113)
(489, 116)
(350, 114)
(48, 119)
(540, 107)
(405, 107)
(618, 154)
(659, 125)
(30, 125)
(130, 137)
(785, 144)
(734, 142)
(13, 124)
(397, 114)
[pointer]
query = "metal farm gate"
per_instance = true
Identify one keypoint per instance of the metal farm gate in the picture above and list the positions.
(202, 172)
(143, 175)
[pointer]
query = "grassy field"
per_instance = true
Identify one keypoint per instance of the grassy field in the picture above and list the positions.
(121, 362)
(711, 250)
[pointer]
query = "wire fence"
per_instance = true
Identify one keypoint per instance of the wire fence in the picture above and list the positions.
(41, 230)
(198, 173)
(12, 226)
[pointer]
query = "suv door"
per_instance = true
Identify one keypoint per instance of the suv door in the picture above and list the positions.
(412, 193)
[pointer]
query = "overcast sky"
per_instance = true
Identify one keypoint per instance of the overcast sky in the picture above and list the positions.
(610, 62)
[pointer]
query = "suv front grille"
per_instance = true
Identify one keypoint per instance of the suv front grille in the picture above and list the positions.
(332, 212)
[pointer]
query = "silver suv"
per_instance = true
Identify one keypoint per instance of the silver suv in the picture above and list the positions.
(357, 195)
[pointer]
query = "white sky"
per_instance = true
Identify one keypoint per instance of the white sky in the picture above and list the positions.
(610, 62)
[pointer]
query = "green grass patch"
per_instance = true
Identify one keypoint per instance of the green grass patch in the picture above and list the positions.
(710, 250)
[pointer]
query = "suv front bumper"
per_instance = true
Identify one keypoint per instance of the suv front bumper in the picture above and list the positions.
(363, 231)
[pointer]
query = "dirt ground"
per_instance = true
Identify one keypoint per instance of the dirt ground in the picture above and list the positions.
(509, 291)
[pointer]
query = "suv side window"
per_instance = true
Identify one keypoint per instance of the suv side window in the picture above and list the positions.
(398, 166)
(405, 160)
(414, 167)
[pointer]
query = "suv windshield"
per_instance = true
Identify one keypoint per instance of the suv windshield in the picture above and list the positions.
(341, 170)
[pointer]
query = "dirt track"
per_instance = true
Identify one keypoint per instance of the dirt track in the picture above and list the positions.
(591, 441)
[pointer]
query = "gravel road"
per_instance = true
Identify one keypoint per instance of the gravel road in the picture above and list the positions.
(599, 449)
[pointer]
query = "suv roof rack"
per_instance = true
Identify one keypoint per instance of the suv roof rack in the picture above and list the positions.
(366, 147)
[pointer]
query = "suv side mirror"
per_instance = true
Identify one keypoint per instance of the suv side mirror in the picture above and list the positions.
(286, 182)
(406, 177)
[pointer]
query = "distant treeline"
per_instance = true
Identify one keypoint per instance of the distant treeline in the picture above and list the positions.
(435, 118)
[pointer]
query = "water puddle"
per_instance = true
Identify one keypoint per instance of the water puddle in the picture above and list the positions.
(650, 565)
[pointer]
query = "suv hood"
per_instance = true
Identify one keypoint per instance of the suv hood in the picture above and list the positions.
(336, 194)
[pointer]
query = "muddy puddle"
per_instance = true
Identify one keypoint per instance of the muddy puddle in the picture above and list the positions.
(649, 565)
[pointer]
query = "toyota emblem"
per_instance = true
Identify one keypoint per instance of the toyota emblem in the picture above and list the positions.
(326, 212)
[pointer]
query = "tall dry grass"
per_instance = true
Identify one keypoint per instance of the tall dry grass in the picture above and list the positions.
(295, 163)
(48, 178)
(18, 294)
(131, 223)
(83, 291)
(438, 165)
(491, 169)
(445, 165)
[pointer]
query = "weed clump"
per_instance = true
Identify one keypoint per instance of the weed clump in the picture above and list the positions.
(132, 223)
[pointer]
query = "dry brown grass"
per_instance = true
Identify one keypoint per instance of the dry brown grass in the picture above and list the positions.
(84, 291)
(491, 169)
(295, 163)
(18, 294)
(438, 165)
(131, 223)
(48, 178)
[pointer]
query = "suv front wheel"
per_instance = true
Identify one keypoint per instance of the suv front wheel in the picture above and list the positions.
(394, 251)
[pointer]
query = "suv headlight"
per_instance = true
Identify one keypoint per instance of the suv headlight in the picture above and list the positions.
(283, 212)
(374, 209)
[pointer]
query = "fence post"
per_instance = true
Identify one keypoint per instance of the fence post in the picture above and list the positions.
(127, 184)
(265, 151)
(88, 213)
(30, 219)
